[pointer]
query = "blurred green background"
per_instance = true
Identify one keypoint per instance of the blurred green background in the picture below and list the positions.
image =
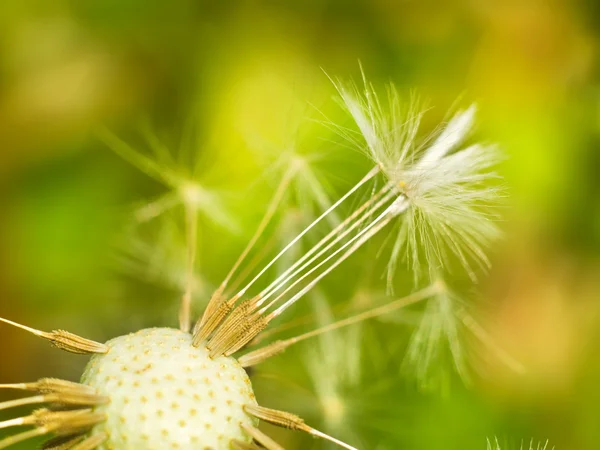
(232, 85)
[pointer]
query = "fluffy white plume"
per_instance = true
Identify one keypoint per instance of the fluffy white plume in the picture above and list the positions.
(450, 190)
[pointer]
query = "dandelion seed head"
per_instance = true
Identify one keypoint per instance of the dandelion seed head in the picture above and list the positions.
(165, 393)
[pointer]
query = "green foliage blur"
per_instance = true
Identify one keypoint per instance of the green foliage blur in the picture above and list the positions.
(232, 86)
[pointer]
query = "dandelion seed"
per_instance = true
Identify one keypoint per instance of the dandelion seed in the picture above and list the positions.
(64, 340)
(449, 202)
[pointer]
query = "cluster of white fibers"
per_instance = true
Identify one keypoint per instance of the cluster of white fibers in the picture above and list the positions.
(451, 190)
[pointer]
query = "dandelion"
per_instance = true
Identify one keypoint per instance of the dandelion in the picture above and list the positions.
(187, 388)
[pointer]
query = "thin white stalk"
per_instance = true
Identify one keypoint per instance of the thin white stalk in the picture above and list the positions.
(24, 327)
(347, 244)
(191, 223)
(331, 439)
(24, 401)
(338, 239)
(365, 179)
(287, 274)
(26, 435)
(16, 422)
(392, 211)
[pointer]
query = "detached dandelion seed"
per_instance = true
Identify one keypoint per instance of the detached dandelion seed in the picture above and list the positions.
(186, 388)
(448, 204)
